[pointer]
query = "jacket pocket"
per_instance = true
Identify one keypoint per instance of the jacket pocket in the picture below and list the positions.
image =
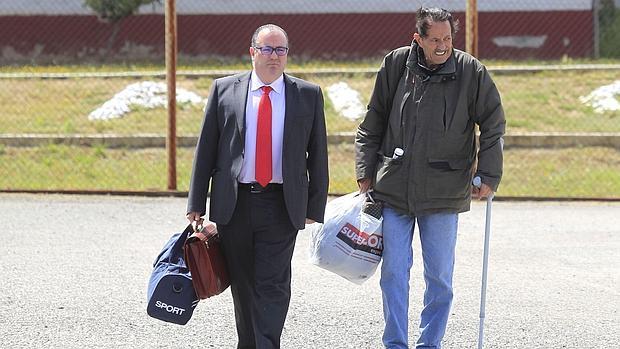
(389, 177)
(450, 146)
(448, 178)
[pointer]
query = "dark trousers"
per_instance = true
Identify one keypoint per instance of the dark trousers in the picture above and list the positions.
(258, 244)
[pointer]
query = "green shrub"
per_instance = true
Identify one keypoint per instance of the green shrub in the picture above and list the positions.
(609, 21)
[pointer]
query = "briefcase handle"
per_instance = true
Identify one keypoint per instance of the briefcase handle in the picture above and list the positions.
(206, 232)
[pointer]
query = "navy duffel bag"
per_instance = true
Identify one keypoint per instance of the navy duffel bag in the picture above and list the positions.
(171, 295)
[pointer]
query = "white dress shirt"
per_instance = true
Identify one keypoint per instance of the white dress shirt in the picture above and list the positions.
(278, 107)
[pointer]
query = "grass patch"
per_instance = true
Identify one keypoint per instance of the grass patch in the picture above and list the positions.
(571, 172)
(97, 168)
(63, 106)
(549, 101)
(546, 101)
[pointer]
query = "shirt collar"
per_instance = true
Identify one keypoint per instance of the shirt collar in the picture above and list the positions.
(277, 85)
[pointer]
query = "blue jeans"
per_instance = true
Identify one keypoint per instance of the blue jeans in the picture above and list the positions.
(438, 240)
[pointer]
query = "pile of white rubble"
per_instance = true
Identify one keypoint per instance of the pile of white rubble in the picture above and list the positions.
(150, 94)
(603, 99)
(346, 101)
(146, 94)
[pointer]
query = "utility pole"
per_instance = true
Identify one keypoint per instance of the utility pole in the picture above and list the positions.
(471, 30)
(171, 67)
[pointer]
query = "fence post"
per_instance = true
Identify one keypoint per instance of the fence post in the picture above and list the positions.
(596, 8)
(471, 30)
(171, 64)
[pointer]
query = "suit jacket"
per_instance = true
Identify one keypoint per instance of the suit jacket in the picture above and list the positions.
(219, 152)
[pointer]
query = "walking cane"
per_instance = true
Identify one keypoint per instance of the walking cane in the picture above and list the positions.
(485, 262)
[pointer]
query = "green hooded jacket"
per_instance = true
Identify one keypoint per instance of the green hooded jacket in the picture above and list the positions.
(431, 116)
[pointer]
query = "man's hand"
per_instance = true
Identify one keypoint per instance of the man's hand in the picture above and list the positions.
(364, 184)
(310, 221)
(481, 193)
(195, 219)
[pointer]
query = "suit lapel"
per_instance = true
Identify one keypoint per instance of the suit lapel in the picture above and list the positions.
(292, 96)
(239, 103)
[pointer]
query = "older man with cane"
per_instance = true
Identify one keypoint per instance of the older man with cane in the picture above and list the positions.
(416, 149)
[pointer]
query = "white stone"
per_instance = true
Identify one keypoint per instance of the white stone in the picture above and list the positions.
(603, 99)
(147, 94)
(346, 101)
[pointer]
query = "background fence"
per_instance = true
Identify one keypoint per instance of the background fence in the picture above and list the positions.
(83, 95)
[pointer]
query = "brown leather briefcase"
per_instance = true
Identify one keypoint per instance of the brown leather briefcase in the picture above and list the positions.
(207, 265)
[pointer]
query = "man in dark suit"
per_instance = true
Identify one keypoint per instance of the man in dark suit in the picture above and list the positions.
(263, 149)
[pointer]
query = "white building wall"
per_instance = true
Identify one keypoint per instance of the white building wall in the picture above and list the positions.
(76, 7)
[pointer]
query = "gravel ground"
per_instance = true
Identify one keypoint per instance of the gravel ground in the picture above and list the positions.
(74, 271)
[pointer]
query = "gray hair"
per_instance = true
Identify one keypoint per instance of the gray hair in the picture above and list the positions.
(425, 16)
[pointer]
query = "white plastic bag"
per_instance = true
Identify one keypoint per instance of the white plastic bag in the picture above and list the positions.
(350, 242)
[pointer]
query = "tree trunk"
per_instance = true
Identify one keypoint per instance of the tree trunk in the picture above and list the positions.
(116, 27)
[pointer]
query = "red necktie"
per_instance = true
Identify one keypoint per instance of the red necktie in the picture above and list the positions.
(263, 139)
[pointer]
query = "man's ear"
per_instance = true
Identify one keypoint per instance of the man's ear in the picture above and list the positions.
(252, 50)
(417, 37)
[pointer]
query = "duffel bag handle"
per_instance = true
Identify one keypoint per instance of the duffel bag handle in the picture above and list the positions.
(176, 252)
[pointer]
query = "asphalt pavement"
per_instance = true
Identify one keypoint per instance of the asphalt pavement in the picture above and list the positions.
(74, 272)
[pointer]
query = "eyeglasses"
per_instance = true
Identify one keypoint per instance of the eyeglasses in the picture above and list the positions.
(268, 50)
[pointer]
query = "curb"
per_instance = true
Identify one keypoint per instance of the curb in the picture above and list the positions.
(515, 140)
